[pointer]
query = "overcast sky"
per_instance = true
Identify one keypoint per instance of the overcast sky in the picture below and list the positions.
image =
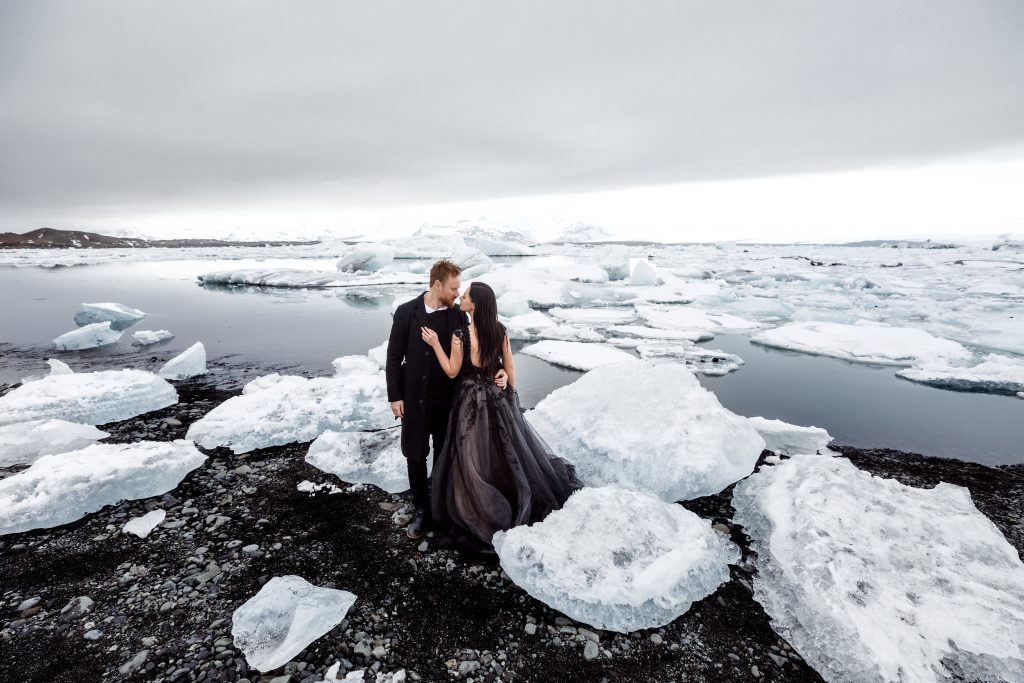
(671, 119)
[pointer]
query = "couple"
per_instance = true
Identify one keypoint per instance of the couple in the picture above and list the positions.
(451, 379)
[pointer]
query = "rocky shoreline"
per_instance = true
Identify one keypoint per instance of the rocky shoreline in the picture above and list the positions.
(84, 602)
(49, 238)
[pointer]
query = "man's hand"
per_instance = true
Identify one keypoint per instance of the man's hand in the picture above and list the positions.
(501, 379)
(398, 408)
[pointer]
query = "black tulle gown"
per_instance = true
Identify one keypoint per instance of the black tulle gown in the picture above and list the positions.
(494, 471)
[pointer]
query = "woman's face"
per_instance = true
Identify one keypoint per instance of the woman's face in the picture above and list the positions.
(465, 303)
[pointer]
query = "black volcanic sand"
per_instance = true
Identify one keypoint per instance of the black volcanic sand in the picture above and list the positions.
(436, 614)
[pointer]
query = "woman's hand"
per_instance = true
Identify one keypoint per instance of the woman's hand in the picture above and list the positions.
(429, 336)
(501, 379)
(456, 341)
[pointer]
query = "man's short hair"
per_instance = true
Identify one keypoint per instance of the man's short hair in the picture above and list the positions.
(442, 270)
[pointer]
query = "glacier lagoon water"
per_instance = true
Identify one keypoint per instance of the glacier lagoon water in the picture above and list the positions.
(302, 331)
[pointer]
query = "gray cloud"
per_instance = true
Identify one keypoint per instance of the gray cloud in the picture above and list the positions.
(121, 104)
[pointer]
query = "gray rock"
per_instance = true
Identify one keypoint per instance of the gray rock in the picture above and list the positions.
(134, 664)
(467, 667)
(362, 648)
(78, 607)
(531, 629)
(656, 639)
(92, 635)
(31, 602)
(590, 650)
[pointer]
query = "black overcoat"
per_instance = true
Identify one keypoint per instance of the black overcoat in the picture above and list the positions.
(409, 363)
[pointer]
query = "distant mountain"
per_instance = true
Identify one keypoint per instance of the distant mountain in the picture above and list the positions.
(479, 228)
(48, 238)
(583, 232)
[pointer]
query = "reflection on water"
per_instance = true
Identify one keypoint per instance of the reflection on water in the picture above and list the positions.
(261, 329)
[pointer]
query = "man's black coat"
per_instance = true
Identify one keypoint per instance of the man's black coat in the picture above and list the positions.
(409, 364)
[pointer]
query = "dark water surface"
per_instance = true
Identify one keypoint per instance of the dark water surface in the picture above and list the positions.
(302, 331)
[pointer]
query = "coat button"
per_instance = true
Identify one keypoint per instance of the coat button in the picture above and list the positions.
(424, 376)
(421, 401)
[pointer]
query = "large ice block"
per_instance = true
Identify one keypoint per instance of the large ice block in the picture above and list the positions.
(58, 489)
(284, 617)
(577, 355)
(617, 559)
(88, 397)
(649, 427)
(366, 257)
(189, 363)
(872, 580)
(789, 439)
(24, 442)
(363, 458)
(119, 316)
(88, 337)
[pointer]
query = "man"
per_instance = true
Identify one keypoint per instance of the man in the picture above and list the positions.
(418, 389)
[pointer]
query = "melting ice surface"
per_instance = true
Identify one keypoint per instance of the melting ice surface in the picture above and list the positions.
(88, 337)
(287, 614)
(189, 363)
(616, 559)
(363, 458)
(88, 397)
(119, 316)
(58, 489)
(649, 427)
(24, 442)
(872, 580)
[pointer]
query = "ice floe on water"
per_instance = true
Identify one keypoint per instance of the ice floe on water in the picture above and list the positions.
(305, 279)
(147, 337)
(693, 318)
(142, 526)
(649, 427)
(594, 316)
(995, 374)
(789, 439)
(286, 615)
(862, 343)
(577, 355)
(536, 325)
(25, 442)
(88, 337)
(872, 580)
(94, 398)
(617, 559)
(363, 458)
(697, 358)
(119, 316)
(189, 363)
(57, 489)
(275, 410)
(366, 257)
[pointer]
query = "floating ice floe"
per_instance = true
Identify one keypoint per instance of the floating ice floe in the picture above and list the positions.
(61, 488)
(142, 526)
(88, 337)
(119, 316)
(88, 397)
(536, 325)
(648, 427)
(995, 374)
(379, 355)
(189, 363)
(24, 442)
(614, 259)
(276, 410)
(789, 439)
(645, 274)
(366, 257)
(862, 343)
(577, 355)
(594, 316)
(284, 617)
(363, 458)
(304, 279)
(642, 332)
(697, 358)
(692, 318)
(473, 262)
(871, 580)
(616, 559)
(147, 337)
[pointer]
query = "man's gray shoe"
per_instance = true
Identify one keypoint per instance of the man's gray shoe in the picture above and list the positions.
(418, 526)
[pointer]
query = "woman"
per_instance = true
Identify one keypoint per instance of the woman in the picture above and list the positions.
(494, 471)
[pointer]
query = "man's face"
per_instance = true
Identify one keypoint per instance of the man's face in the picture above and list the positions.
(449, 290)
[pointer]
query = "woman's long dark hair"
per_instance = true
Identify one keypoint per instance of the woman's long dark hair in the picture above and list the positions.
(490, 334)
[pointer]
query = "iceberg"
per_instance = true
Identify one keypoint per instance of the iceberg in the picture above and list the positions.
(862, 343)
(614, 259)
(290, 409)
(536, 325)
(88, 397)
(594, 316)
(872, 580)
(645, 274)
(366, 257)
(363, 458)
(147, 337)
(284, 617)
(577, 355)
(647, 427)
(697, 358)
(119, 316)
(24, 442)
(788, 439)
(88, 337)
(616, 559)
(994, 374)
(189, 363)
(142, 526)
(473, 262)
(57, 489)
